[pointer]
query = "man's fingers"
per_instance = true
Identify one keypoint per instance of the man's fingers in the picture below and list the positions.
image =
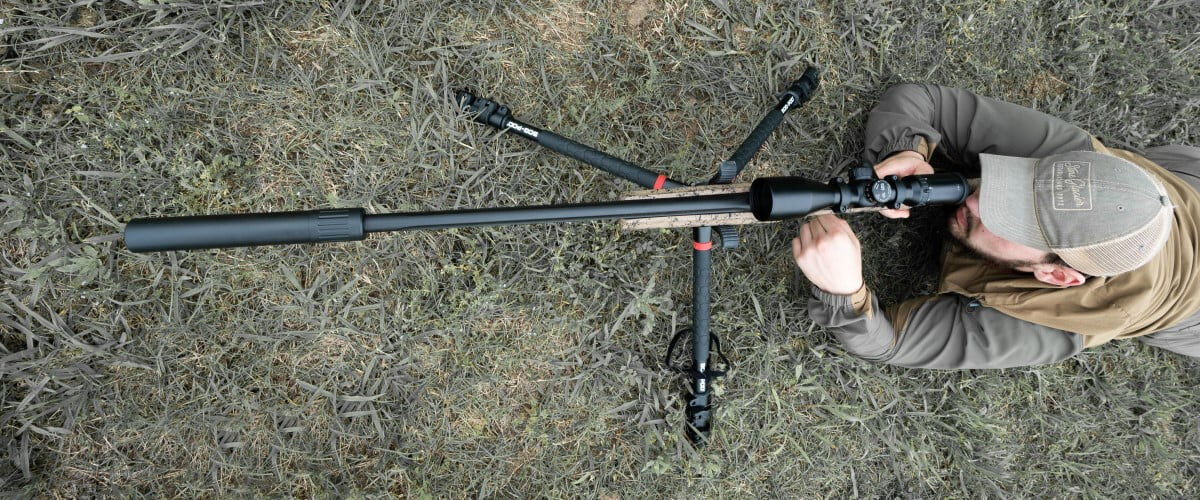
(885, 170)
(805, 235)
(823, 228)
(837, 223)
(831, 223)
(903, 165)
(818, 225)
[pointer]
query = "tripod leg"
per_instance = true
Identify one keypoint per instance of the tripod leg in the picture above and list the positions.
(699, 411)
(606, 162)
(797, 94)
(490, 113)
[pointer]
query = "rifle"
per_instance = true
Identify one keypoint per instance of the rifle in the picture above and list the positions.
(711, 207)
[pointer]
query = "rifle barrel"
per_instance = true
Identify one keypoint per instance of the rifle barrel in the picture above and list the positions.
(352, 224)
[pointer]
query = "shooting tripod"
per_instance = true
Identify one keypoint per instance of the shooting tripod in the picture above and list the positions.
(768, 199)
(701, 371)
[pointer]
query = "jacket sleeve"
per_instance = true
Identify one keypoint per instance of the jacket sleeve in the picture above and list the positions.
(943, 331)
(960, 125)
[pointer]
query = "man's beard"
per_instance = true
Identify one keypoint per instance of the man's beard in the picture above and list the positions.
(960, 235)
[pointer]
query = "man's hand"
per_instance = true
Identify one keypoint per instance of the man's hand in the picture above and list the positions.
(903, 164)
(829, 254)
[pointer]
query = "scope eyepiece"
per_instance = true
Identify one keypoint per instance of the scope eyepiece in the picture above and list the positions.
(934, 189)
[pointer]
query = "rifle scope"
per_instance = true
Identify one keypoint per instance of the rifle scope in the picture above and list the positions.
(769, 199)
(779, 198)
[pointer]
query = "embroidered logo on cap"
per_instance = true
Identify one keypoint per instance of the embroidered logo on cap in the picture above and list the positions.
(1072, 185)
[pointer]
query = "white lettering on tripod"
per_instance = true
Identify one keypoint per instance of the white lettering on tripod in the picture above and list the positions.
(788, 105)
(522, 129)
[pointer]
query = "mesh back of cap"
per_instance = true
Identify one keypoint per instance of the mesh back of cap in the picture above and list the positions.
(1123, 254)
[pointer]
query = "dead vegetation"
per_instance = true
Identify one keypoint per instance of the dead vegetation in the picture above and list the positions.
(525, 361)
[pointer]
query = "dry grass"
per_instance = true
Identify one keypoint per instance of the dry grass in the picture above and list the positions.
(524, 361)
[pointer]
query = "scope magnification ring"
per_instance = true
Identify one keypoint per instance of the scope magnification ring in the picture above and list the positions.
(925, 190)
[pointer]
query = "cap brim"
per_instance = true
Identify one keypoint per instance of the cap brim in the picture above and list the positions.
(1006, 199)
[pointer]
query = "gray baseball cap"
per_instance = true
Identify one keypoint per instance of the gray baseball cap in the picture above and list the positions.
(1101, 214)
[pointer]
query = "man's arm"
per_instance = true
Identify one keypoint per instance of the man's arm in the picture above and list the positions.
(947, 331)
(960, 125)
(943, 332)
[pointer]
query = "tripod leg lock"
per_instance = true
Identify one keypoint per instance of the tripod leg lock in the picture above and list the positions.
(729, 236)
(802, 89)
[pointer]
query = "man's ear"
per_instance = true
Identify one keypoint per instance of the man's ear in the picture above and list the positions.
(1058, 275)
